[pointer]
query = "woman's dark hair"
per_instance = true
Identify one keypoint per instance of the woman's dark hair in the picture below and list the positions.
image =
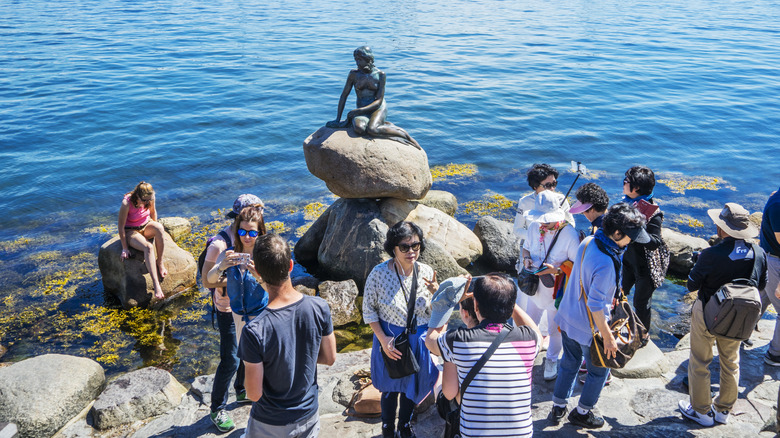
(540, 172)
(252, 213)
(272, 258)
(591, 193)
(401, 231)
(495, 294)
(641, 179)
(468, 306)
(620, 217)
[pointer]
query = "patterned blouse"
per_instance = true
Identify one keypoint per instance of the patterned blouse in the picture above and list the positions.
(384, 299)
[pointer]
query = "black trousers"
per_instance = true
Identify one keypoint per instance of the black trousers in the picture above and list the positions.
(642, 282)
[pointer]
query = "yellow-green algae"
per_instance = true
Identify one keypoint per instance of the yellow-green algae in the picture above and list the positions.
(491, 204)
(453, 170)
(679, 183)
(276, 227)
(685, 219)
(313, 210)
(300, 231)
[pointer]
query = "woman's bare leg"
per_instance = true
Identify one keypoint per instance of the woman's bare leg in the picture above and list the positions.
(155, 230)
(139, 242)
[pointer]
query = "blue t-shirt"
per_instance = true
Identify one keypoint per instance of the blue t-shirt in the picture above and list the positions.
(770, 224)
(287, 342)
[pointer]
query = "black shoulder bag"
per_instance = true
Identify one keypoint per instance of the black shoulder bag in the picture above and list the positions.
(407, 364)
(528, 282)
(452, 427)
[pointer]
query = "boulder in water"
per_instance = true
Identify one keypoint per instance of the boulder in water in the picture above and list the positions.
(360, 167)
(501, 247)
(129, 279)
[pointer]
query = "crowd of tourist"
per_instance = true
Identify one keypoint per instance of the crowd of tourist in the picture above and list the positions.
(272, 337)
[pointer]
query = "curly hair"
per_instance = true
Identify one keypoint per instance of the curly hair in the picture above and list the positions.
(538, 173)
(620, 217)
(591, 193)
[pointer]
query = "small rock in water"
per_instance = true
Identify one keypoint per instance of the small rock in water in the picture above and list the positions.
(441, 200)
(177, 227)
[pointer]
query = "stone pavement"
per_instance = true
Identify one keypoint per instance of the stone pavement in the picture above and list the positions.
(643, 406)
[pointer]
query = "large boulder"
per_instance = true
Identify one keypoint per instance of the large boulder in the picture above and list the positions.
(307, 248)
(351, 242)
(41, 394)
(500, 245)
(129, 279)
(362, 167)
(456, 238)
(340, 296)
(681, 248)
(135, 396)
(441, 200)
(441, 261)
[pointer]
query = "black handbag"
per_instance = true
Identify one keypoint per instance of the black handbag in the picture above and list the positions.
(528, 282)
(625, 327)
(452, 418)
(407, 364)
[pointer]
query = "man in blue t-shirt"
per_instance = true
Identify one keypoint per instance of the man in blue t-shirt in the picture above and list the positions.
(281, 349)
(770, 243)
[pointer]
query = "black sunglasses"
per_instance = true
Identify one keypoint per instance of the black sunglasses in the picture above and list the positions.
(252, 233)
(404, 248)
(550, 185)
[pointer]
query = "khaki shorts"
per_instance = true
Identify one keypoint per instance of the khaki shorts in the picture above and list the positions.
(306, 428)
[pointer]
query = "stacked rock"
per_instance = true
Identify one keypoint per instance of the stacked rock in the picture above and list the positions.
(380, 181)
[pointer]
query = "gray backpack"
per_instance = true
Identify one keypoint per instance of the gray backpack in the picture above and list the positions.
(735, 309)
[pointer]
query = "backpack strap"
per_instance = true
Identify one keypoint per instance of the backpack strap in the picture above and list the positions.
(755, 275)
(226, 237)
(483, 360)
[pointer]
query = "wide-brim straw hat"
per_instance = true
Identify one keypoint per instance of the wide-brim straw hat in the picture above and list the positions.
(734, 220)
(547, 208)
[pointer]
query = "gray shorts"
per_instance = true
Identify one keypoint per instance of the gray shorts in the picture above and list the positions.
(307, 428)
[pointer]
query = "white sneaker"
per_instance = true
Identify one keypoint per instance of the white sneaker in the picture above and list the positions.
(550, 369)
(720, 417)
(687, 411)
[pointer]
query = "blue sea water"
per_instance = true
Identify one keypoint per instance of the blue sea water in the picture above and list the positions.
(207, 100)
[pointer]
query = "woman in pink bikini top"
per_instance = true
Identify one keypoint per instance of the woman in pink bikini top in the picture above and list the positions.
(137, 226)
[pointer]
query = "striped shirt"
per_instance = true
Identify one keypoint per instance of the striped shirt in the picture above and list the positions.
(497, 403)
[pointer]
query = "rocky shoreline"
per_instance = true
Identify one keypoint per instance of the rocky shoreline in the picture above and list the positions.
(68, 397)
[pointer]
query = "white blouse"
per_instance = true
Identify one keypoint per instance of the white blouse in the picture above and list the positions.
(565, 247)
(384, 299)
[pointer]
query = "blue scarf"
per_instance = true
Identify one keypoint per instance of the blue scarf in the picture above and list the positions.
(615, 252)
(630, 201)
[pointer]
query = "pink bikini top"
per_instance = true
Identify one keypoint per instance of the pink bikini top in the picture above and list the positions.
(136, 216)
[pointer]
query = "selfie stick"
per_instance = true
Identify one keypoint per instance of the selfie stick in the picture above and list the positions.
(579, 172)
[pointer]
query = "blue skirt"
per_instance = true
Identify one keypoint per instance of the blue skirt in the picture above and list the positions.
(417, 386)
